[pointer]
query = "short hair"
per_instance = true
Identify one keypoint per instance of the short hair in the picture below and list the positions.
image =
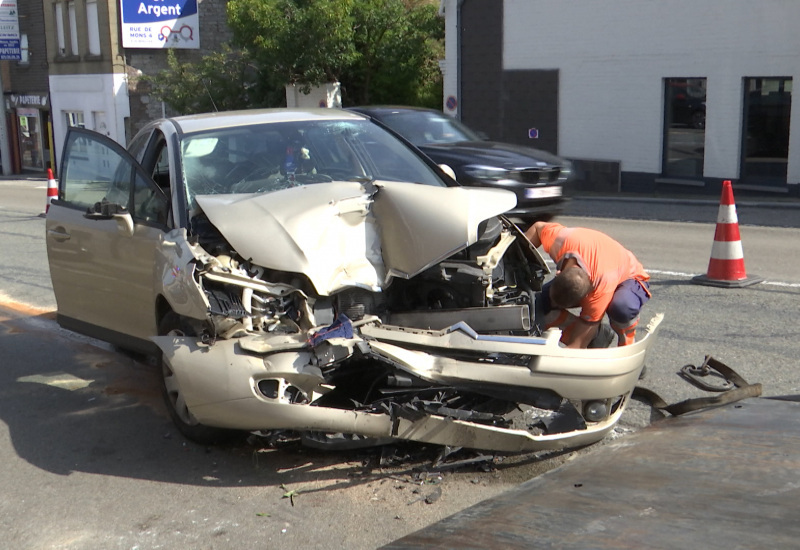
(569, 287)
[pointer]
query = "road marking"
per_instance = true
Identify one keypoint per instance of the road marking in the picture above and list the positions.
(692, 275)
(552, 267)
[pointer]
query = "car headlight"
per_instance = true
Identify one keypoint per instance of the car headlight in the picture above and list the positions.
(490, 174)
(567, 170)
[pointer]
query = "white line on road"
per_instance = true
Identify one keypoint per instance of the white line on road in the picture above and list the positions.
(552, 267)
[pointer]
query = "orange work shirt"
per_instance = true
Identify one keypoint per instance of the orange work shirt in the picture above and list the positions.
(607, 262)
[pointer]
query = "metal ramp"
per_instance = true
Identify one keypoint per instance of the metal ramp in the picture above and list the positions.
(727, 477)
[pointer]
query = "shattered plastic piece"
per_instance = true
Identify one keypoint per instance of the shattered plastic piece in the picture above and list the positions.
(340, 328)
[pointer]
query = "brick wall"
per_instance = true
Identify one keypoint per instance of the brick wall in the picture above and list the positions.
(32, 77)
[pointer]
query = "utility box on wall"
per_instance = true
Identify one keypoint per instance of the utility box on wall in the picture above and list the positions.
(328, 95)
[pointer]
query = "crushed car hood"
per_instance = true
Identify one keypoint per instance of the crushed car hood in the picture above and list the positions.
(342, 234)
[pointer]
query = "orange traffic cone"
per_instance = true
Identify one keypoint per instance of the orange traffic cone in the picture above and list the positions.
(52, 189)
(726, 267)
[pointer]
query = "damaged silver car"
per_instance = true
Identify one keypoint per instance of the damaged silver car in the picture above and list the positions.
(306, 271)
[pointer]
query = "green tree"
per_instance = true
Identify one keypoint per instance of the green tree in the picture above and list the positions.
(305, 42)
(381, 51)
(220, 81)
(399, 44)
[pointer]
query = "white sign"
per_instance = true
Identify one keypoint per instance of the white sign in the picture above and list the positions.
(9, 30)
(160, 24)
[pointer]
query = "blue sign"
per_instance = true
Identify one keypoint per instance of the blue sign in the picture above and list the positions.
(9, 31)
(533, 133)
(160, 24)
(10, 50)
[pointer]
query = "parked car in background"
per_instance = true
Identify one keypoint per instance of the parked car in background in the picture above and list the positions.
(535, 176)
(307, 272)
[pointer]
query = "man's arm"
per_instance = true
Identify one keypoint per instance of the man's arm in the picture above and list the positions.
(581, 334)
(534, 232)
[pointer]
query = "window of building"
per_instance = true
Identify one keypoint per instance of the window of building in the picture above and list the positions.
(74, 118)
(765, 134)
(93, 27)
(73, 29)
(684, 127)
(24, 53)
(60, 36)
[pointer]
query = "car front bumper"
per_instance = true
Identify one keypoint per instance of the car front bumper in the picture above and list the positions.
(224, 383)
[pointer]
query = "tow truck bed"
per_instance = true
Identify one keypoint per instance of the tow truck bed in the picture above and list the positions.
(727, 477)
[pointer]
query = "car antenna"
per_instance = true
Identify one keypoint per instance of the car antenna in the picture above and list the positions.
(209, 96)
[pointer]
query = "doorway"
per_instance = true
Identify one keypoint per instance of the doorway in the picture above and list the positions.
(765, 132)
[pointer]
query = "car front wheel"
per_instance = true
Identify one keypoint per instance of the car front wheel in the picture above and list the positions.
(172, 325)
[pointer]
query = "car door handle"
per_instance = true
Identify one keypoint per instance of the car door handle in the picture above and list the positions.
(60, 234)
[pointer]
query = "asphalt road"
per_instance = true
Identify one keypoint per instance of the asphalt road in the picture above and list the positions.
(91, 459)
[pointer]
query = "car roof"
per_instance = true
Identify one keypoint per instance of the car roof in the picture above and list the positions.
(227, 119)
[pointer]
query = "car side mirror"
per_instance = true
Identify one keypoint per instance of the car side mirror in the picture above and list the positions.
(447, 170)
(105, 210)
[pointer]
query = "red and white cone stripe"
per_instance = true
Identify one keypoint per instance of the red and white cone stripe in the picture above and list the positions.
(727, 256)
(726, 267)
(52, 189)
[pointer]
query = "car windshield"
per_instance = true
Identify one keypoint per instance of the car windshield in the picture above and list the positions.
(272, 156)
(425, 127)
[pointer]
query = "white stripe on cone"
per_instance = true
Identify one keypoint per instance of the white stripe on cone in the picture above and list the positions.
(727, 214)
(727, 250)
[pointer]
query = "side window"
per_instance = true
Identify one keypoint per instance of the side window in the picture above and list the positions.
(161, 169)
(94, 172)
(149, 203)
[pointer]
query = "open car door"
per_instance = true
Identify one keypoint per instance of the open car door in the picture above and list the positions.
(101, 237)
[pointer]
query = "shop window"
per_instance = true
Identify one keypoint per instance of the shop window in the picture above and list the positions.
(30, 139)
(684, 127)
(765, 135)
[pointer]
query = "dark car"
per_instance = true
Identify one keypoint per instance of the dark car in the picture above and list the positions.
(535, 176)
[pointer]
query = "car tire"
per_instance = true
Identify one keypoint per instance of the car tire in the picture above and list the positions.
(173, 325)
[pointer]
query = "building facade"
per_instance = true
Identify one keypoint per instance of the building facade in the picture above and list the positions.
(26, 95)
(644, 95)
(94, 80)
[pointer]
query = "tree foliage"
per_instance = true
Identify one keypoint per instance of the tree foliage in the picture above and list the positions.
(220, 81)
(381, 51)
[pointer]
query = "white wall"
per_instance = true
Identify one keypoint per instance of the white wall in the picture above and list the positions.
(96, 93)
(614, 54)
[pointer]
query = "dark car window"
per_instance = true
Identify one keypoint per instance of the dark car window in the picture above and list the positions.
(424, 127)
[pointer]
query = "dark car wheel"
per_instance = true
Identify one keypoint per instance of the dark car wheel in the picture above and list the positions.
(172, 325)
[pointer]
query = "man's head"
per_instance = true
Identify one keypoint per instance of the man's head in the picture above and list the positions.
(569, 287)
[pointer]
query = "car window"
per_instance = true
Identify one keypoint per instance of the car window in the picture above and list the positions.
(137, 145)
(149, 203)
(94, 172)
(274, 156)
(423, 127)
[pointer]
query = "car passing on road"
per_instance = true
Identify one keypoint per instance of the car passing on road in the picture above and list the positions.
(536, 177)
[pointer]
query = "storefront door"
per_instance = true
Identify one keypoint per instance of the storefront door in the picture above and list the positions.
(30, 139)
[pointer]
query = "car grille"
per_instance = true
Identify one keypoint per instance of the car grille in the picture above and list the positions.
(539, 175)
